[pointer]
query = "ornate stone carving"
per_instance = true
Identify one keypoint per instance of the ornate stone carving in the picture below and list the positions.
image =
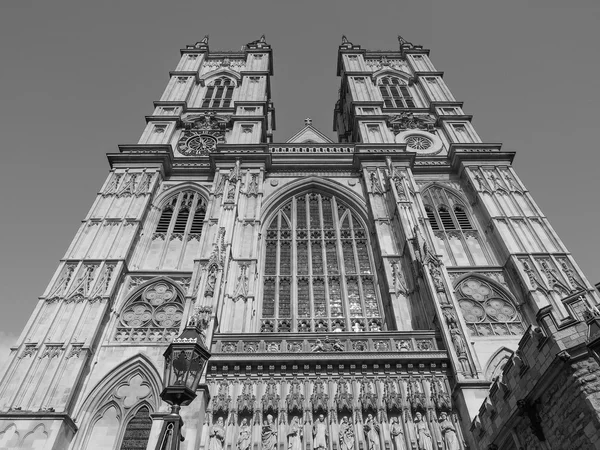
(343, 397)
(424, 439)
(439, 395)
(222, 401)
(416, 396)
(410, 121)
(270, 400)
(319, 398)
(240, 291)
(246, 400)
(295, 399)
(269, 434)
(346, 434)
(327, 345)
(368, 398)
(392, 397)
(371, 429)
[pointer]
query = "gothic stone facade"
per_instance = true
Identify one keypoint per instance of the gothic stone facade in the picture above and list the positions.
(397, 290)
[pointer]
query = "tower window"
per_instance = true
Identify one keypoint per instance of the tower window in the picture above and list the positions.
(218, 95)
(457, 238)
(333, 287)
(176, 238)
(395, 93)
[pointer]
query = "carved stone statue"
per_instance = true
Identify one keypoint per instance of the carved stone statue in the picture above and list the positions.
(371, 429)
(397, 434)
(346, 434)
(216, 435)
(269, 434)
(295, 434)
(320, 434)
(245, 437)
(448, 432)
(424, 440)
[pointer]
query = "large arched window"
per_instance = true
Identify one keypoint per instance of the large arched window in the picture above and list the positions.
(458, 239)
(154, 315)
(176, 238)
(487, 310)
(319, 273)
(395, 93)
(219, 93)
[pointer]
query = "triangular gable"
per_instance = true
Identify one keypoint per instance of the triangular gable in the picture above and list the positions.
(309, 134)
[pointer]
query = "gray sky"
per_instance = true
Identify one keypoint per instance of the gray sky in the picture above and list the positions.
(78, 77)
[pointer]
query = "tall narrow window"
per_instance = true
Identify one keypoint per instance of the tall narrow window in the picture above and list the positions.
(176, 238)
(395, 93)
(219, 93)
(137, 432)
(333, 287)
(460, 242)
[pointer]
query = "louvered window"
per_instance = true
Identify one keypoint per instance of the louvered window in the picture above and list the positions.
(395, 93)
(176, 238)
(319, 273)
(219, 94)
(457, 238)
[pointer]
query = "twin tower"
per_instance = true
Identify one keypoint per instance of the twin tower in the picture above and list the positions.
(399, 289)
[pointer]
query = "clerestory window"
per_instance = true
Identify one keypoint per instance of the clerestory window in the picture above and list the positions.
(319, 272)
(458, 239)
(395, 93)
(219, 93)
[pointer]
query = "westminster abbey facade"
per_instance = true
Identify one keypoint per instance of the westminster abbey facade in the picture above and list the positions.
(396, 290)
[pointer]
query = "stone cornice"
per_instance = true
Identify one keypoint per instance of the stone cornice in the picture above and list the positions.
(14, 415)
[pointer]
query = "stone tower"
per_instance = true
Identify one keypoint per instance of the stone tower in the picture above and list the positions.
(397, 290)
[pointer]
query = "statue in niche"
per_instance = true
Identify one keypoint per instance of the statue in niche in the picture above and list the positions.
(295, 434)
(245, 437)
(216, 435)
(425, 442)
(448, 432)
(320, 434)
(397, 434)
(269, 434)
(371, 429)
(346, 434)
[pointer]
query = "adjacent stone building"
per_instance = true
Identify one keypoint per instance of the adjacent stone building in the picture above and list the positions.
(399, 289)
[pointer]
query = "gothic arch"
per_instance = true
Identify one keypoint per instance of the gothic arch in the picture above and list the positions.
(109, 394)
(488, 313)
(494, 366)
(354, 201)
(223, 71)
(488, 280)
(165, 195)
(126, 299)
(152, 313)
(322, 222)
(388, 71)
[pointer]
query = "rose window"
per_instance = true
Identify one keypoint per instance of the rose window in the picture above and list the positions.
(153, 316)
(418, 142)
(487, 310)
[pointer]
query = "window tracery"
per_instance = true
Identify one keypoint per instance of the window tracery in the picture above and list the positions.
(458, 239)
(487, 310)
(333, 286)
(154, 315)
(395, 93)
(123, 420)
(176, 238)
(219, 93)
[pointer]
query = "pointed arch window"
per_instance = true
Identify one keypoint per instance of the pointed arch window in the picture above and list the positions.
(487, 310)
(154, 315)
(122, 421)
(219, 93)
(395, 93)
(319, 272)
(176, 238)
(458, 239)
